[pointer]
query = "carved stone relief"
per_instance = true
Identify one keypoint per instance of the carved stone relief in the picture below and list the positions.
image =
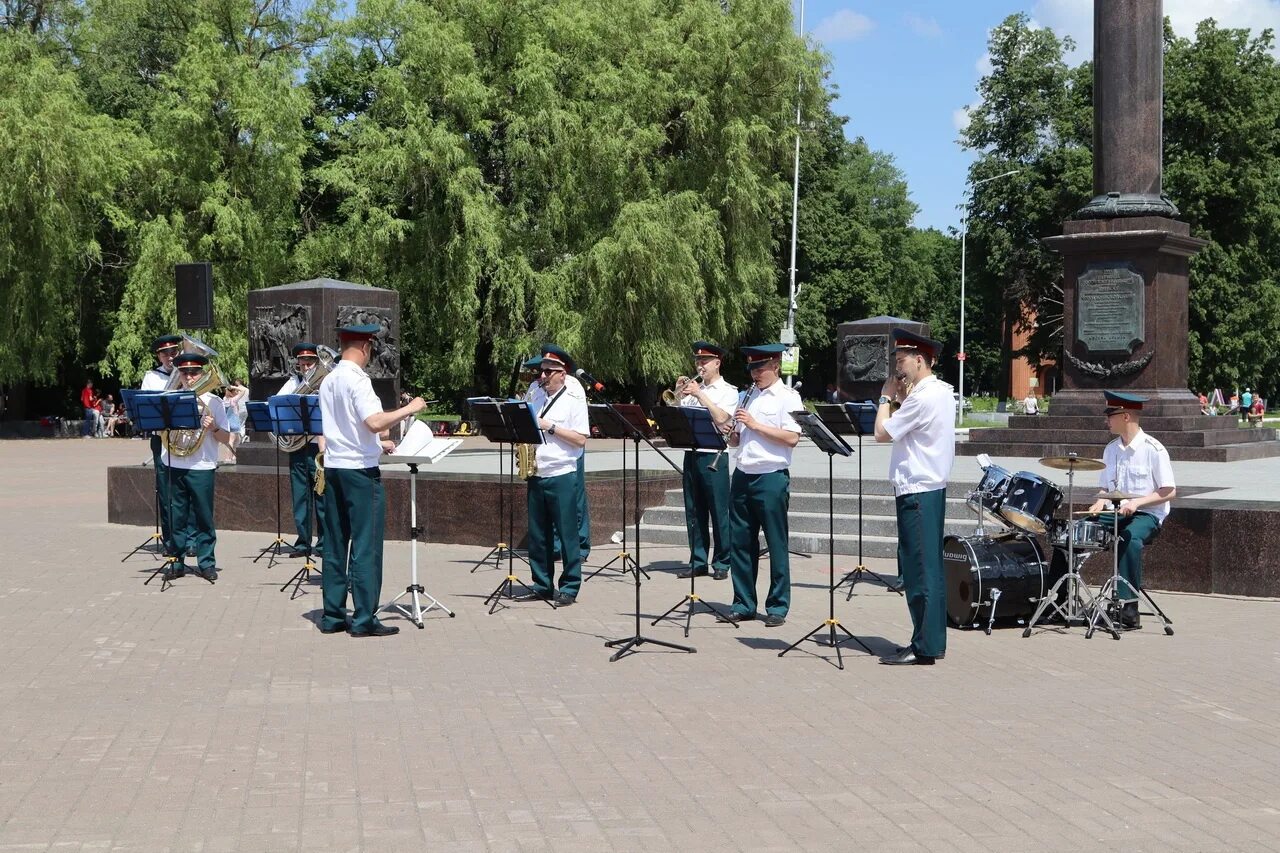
(273, 330)
(386, 352)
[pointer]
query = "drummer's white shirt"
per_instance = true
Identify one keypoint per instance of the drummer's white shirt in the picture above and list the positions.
(1139, 469)
(924, 438)
(346, 400)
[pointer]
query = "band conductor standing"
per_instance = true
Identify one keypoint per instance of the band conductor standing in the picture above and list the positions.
(924, 445)
(706, 473)
(760, 489)
(355, 504)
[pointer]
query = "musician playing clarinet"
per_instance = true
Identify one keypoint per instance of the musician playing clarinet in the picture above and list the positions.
(923, 435)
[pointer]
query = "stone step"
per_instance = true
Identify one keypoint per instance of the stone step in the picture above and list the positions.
(812, 544)
(1151, 424)
(958, 523)
(872, 484)
(1212, 438)
(1034, 450)
(843, 504)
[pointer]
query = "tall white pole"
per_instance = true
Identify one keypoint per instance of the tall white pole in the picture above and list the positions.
(789, 332)
(964, 233)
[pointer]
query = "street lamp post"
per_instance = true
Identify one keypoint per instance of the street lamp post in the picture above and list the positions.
(793, 291)
(962, 356)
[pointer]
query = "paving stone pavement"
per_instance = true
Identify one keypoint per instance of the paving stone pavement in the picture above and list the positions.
(217, 718)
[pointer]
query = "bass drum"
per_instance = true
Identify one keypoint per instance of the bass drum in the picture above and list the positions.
(975, 565)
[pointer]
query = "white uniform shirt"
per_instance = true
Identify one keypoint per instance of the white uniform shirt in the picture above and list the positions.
(721, 393)
(771, 407)
(555, 455)
(1138, 469)
(346, 399)
(291, 386)
(924, 438)
(205, 457)
(155, 379)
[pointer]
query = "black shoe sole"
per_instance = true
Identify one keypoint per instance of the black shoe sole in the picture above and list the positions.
(376, 633)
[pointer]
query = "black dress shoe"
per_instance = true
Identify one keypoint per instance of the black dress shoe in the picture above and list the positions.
(734, 618)
(378, 630)
(900, 649)
(565, 600)
(336, 629)
(211, 575)
(1129, 618)
(907, 658)
(693, 573)
(719, 575)
(773, 621)
(533, 595)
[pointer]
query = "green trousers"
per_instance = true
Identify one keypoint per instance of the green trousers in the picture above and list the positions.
(1136, 531)
(302, 480)
(706, 509)
(756, 502)
(584, 517)
(192, 496)
(354, 517)
(920, 525)
(553, 516)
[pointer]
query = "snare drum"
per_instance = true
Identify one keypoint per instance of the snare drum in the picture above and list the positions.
(985, 499)
(1085, 534)
(1030, 502)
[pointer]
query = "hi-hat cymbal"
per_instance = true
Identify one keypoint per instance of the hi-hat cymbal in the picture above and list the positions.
(1117, 495)
(1073, 463)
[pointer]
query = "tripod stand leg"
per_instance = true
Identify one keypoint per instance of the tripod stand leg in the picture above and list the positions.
(1100, 605)
(147, 543)
(629, 644)
(1159, 614)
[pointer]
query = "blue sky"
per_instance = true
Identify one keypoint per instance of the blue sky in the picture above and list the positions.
(906, 69)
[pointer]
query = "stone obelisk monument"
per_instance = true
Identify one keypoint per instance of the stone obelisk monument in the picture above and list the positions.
(1125, 257)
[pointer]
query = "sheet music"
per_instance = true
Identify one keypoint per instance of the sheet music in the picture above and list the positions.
(421, 443)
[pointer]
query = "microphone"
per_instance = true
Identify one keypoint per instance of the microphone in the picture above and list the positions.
(588, 380)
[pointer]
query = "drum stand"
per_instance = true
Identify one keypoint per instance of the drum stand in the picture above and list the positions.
(1080, 601)
(1108, 600)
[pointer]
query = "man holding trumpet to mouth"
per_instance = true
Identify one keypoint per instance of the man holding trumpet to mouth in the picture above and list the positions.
(706, 472)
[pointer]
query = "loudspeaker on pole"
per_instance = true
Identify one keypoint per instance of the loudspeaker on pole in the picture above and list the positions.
(194, 283)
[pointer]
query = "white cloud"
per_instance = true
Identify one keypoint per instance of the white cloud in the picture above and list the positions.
(1075, 18)
(844, 25)
(960, 117)
(983, 65)
(921, 26)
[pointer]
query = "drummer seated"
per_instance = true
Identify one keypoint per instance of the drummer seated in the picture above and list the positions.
(1138, 467)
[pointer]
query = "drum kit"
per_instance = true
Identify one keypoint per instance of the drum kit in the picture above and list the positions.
(1003, 573)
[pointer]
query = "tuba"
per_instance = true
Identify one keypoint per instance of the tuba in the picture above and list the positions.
(184, 442)
(310, 384)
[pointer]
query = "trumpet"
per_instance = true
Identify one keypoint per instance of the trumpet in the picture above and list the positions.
(671, 396)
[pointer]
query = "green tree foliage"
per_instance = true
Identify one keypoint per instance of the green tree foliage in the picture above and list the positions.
(605, 175)
(61, 169)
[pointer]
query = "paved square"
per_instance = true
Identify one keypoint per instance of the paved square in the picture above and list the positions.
(218, 718)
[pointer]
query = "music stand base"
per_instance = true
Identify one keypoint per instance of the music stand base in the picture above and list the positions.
(153, 544)
(414, 615)
(628, 565)
(496, 553)
(833, 641)
(507, 589)
(852, 578)
(298, 577)
(274, 549)
(693, 600)
(628, 645)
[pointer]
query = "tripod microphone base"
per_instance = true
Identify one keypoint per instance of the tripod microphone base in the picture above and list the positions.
(692, 599)
(628, 645)
(833, 641)
(416, 611)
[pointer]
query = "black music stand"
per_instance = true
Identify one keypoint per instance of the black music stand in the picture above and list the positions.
(487, 413)
(855, 419)
(612, 424)
(154, 543)
(260, 420)
(691, 428)
(640, 430)
(159, 412)
(296, 414)
(521, 427)
(831, 444)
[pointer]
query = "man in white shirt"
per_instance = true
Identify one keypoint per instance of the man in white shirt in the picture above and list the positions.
(192, 479)
(706, 489)
(1137, 464)
(574, 388)
(157, 378)
(355, 504)
(302, 462)
(1031, 405)
(760, 489)
(552, 498)
(924, 445)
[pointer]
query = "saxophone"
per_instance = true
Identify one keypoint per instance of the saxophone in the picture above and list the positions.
(526, 460)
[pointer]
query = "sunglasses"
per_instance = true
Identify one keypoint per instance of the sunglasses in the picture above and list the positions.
(545, 371)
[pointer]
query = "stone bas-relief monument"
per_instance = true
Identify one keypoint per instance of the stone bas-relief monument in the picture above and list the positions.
(1125, 274)
(862, 354)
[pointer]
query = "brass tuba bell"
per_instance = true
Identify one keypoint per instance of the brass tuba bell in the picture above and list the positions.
(325, 357)
(184, 442)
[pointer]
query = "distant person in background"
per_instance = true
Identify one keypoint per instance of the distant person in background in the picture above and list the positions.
(1233, 404)
(109, 415)
(1031, 405)
(1246, 402)
(833, 393)
(1257, 410)
(234, 399)
(89, 402)
(1204, 404)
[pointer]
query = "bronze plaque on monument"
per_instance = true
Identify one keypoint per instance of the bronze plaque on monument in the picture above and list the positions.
(1110, 307)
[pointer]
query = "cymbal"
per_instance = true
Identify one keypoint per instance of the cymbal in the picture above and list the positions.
(1076, 463)
(1117, 495)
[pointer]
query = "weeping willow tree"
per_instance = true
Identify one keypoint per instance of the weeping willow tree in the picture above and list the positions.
(606, 175)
